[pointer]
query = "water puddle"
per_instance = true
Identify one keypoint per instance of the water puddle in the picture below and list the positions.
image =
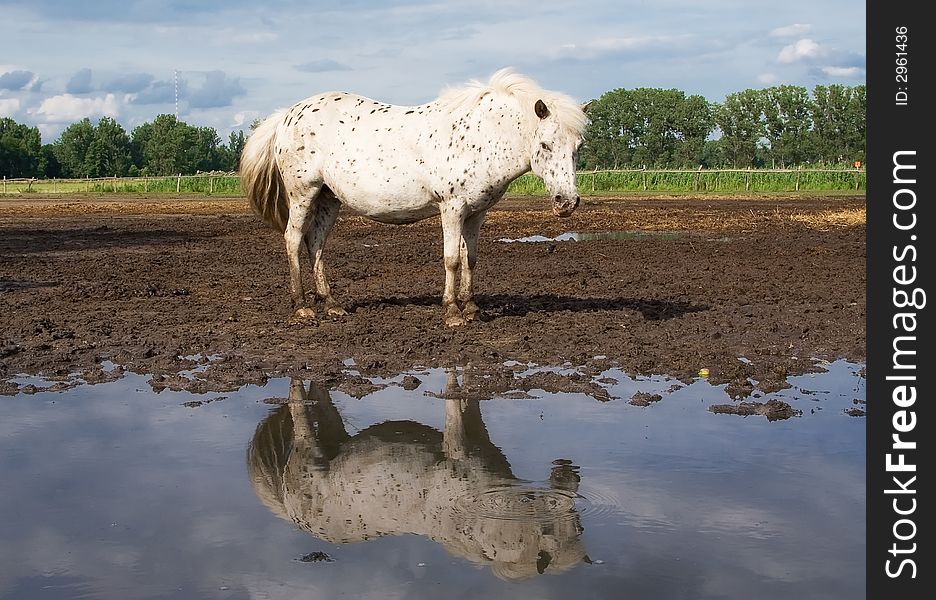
(416, 488)
(574, 236)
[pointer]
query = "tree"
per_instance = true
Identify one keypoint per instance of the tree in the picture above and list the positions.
(741, 124)
(168, 146)
(71, 149)
(855, 130)
(158, 145)
(202, 149)
(787, 123)
(109, 152)
(696, 122)
(609, 136)
(839, 127)
(230, 154)
(20, 149)
(646, 126)
(48, 164)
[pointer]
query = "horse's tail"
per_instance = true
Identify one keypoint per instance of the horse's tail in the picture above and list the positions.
(260, 177)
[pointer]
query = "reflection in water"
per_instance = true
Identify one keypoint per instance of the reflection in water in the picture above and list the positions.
(454, 486)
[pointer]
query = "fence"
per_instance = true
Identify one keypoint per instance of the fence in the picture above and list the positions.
(589, 182)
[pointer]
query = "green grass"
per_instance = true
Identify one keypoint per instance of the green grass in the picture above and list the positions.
(596, 182)
(603, 182)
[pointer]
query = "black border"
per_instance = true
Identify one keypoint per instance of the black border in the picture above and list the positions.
(892, 128)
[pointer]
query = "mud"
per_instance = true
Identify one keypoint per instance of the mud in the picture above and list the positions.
(158, 286)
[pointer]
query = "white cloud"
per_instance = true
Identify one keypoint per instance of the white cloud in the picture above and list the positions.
(841, 71)
(614, 45)
(794, 30)
(9, 106)
(66, 108)
(244, 116)
(767, 78)
(801, 50)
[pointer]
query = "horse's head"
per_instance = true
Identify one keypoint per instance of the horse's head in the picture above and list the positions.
(554, 157)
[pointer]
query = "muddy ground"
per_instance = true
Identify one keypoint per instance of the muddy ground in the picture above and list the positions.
(145, 282)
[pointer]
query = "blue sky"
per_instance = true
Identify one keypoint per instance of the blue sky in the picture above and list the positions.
(62, 60)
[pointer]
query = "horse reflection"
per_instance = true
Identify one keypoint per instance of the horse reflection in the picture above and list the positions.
(404, 477)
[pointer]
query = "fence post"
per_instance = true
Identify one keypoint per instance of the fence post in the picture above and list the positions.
(798, 168)
(178, 185)
(594, 177)
(115, 183)
(4, 184)
(644, 176)
(747, 180)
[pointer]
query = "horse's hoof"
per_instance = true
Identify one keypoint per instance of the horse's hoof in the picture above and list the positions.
(303, 316)
(455, 321)
(336, 311)
(471, 313)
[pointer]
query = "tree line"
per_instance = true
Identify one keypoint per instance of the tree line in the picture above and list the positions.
(167, 146)
(781, 126)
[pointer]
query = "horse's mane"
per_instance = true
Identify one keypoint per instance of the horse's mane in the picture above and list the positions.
(505, 81)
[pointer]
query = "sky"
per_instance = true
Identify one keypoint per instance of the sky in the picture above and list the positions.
(231, 61)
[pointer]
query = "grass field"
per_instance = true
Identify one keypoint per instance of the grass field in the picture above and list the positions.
(595, 182)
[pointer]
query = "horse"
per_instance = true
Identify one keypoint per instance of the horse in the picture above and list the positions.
(403, 477)
(454, 157)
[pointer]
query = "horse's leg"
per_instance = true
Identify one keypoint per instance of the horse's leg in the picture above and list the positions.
(452, 224)
(305, 443)
(469, 257)
(453, 430)
(324, 215)
(299, 209)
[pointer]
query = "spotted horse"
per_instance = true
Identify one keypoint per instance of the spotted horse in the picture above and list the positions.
(454, 157)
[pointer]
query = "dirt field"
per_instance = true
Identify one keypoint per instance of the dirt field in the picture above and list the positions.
(146, 282)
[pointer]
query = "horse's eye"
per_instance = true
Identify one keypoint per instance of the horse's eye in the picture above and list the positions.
(545, 146)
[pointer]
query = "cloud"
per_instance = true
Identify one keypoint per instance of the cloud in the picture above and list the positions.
(244, 116)
(66, 108)
(159, 92)
(130, 83)
(794, 30)
(804, 49)
(9, 106)
(322, 65)
(217, 90)
(597, 48)
(253, 37)
(841, 71)
(80, 82)
(767, 78)
(16, 80)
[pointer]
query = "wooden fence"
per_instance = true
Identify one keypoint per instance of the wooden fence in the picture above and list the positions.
(594, 182)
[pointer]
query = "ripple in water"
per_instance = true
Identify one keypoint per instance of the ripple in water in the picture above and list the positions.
(522, 501)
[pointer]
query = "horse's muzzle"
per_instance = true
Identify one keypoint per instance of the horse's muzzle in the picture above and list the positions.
(563, 207)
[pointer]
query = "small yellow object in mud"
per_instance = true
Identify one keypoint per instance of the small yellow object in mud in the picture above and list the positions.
(703, 372)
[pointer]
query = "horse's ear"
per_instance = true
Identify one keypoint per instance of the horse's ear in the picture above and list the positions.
(585, 106)
(541, 111)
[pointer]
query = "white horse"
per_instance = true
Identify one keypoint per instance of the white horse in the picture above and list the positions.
(454, 157)
(453, 486)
